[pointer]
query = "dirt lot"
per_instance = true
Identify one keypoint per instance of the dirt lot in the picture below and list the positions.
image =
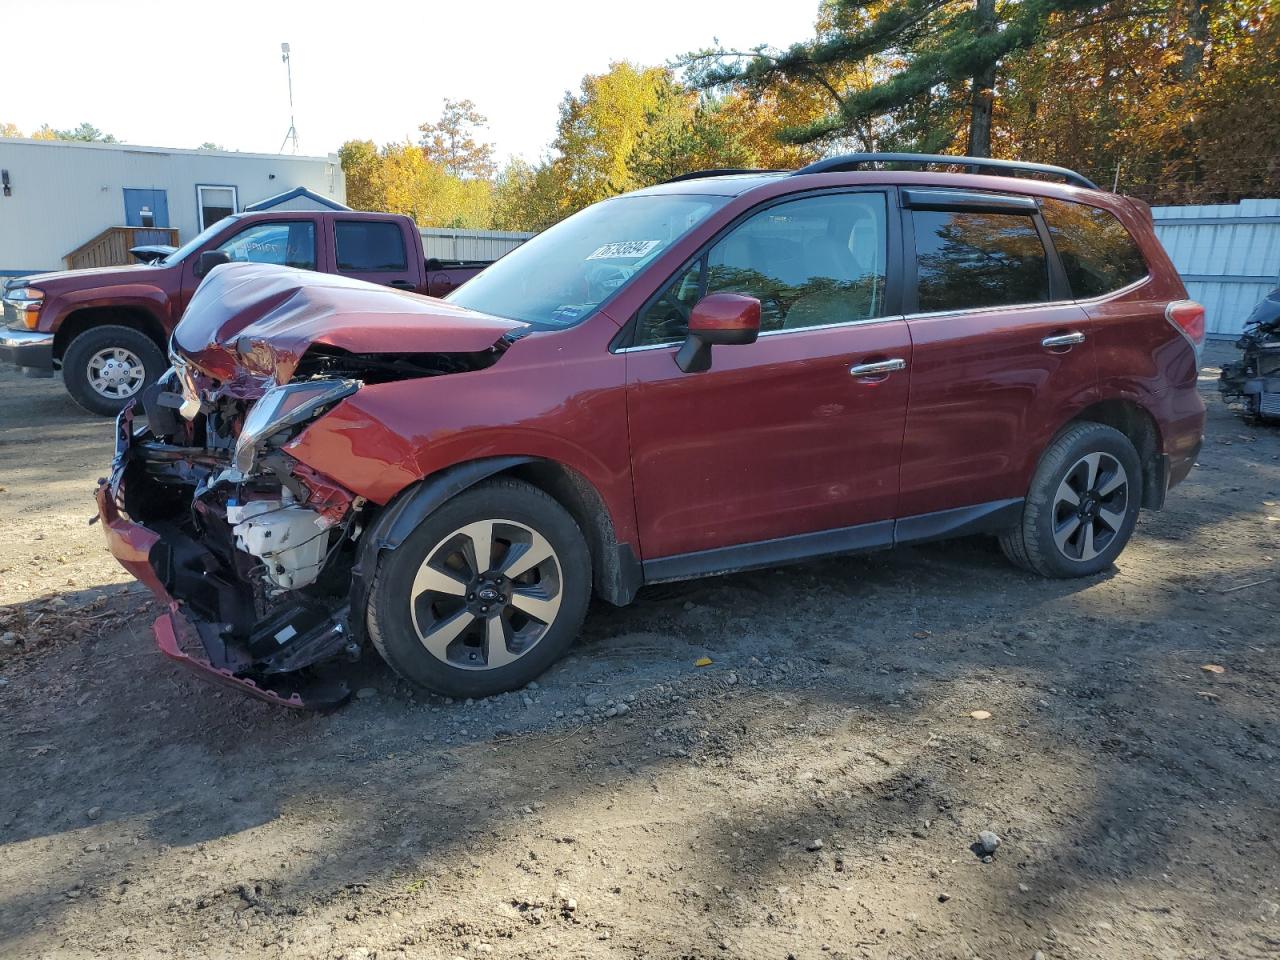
(814, 792)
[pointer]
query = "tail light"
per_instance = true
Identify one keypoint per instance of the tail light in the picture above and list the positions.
(1188, 317)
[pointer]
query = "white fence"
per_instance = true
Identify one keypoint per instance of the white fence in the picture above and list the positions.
(445, 244)
(1227, 254)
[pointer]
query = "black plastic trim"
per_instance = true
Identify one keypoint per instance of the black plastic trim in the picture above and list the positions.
(987, 517)
(959, 521)
(933, 199)
(770, 553)
(721, 172)
(852, 161)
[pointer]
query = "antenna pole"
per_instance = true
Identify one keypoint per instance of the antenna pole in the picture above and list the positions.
(293, 131)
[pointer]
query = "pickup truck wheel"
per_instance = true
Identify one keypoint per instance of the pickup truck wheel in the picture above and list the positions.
(485, 594)
(1082, 505)
(106, 367)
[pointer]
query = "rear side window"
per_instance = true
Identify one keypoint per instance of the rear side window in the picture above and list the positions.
(968, 260)
(369, 245)
(1097, 252)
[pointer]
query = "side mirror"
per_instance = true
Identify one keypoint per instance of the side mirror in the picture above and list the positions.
(210, 259)
(718, 318)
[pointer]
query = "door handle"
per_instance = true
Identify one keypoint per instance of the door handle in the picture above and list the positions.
(402, 284)
(878, 368)
(1063, 340)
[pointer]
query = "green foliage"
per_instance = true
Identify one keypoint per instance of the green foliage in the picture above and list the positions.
(85, 132)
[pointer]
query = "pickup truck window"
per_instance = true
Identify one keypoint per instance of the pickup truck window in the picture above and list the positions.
(369, 245)
(199, 240)
(289, 243)
(560, 276)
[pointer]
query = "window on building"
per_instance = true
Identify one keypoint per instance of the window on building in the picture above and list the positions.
(811, 262)
(369, 246)
(214, 203)
(288, 243)
(1097, 252)
(968, 260)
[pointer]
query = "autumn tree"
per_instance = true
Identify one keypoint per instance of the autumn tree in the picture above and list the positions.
(451, 141)
(9, 130)
(946, 53)
(399, 178)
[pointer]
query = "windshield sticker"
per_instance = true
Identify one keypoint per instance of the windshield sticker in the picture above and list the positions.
(626, 250)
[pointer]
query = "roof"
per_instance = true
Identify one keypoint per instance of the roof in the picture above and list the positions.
(138, 148)
(296, 192)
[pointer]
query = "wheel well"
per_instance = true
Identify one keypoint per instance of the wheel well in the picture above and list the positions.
(79, 321)
(1143, 432)
(615, 568)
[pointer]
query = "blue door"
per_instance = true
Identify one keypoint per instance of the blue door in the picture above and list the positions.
(143, 205)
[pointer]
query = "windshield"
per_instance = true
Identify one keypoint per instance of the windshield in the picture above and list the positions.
(562, 274)
(183, 251)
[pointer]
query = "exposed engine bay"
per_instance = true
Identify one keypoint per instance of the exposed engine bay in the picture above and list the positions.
(1253, 382)
(258, 550)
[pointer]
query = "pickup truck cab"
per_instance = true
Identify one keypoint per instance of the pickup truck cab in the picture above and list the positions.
(106, 329)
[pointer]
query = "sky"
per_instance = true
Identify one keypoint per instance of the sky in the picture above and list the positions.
(183, 72)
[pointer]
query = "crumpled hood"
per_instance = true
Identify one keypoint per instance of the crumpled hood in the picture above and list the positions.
(253, 321)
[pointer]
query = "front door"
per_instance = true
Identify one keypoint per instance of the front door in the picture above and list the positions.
(1001, 353)
(779, 439)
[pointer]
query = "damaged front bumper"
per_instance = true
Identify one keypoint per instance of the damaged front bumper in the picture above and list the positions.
(218, 622)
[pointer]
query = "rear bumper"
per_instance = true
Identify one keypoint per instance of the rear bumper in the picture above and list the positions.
(29, 350)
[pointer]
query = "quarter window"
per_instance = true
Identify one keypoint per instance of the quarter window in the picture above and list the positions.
(1098, 254)
(810, 262)
(288, 243)
(369, 246)
(967, 260)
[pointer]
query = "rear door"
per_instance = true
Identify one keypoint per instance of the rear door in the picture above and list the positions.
(1001, 356)
(378, 251)
(781, 440)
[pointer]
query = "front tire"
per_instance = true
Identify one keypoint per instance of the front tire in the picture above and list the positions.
(485, 594)
(106, 367)
(1082, 505)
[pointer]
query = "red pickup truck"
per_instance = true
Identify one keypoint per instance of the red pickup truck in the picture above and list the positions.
(107, 328)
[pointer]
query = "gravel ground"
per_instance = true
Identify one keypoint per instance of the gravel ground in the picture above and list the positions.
(820, 789)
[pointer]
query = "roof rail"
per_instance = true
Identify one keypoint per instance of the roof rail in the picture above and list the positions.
(852, 161)
(726, 172)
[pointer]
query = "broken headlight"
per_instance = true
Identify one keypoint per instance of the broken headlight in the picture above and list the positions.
(283, 407)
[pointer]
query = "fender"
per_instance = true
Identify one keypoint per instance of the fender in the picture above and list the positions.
(151, 300)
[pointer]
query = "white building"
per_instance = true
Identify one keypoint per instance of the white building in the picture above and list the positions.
(57, 195)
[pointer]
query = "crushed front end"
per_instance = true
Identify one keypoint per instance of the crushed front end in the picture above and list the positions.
(256, 553)
(251, 550)
(1253, 382)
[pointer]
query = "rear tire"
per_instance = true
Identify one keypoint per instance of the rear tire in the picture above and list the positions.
(106, 367)
(1082, 505)
(485, 594)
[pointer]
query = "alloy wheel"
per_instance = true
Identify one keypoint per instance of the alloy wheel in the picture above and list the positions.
(1090, 506)
(116, 373)
(486, 594)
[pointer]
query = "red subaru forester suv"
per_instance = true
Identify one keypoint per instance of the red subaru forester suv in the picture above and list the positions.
(725, 371)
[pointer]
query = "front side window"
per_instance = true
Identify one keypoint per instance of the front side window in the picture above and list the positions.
(557, 278)
(365, 246)
(969, 260)
(287, 243)
(810, 262)
(1097, 252)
